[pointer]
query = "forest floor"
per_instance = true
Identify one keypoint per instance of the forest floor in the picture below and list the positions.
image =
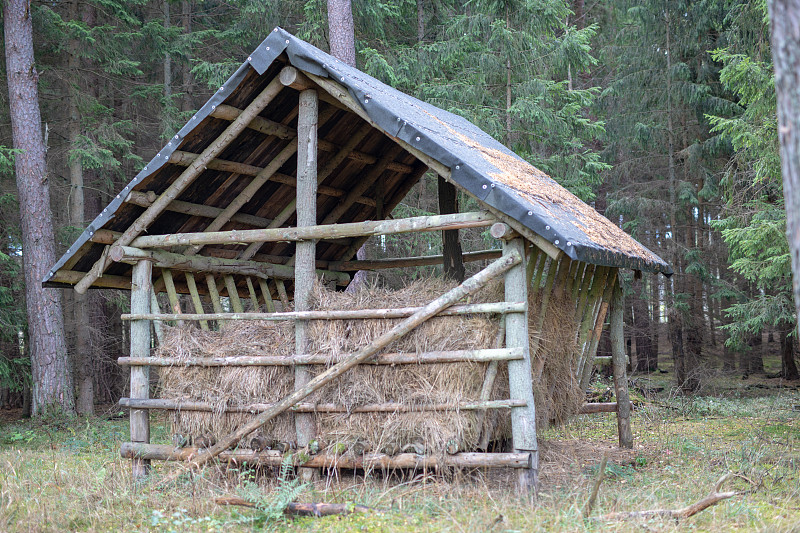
(66, 475)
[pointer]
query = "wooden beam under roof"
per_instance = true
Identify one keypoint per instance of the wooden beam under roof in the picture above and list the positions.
(341, 94)
(185, 159)
(185, 179)
(269, 127)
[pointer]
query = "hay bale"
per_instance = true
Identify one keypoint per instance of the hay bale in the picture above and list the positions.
(411, 385)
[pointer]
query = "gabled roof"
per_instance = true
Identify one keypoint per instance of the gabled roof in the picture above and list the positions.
(477, 164)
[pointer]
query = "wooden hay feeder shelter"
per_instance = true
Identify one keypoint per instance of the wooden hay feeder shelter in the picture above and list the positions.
(275, 183)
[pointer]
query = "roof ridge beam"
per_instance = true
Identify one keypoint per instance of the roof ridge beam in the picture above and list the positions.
(184, 180)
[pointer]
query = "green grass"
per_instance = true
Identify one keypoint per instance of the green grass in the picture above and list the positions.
(59, 475)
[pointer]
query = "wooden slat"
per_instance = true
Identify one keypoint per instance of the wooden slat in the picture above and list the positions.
(267, 295)
(389, 407)
(195, 295)
(163, 452)
(185, 179)
(354, 314)
(439, 357)
(233, 294)
(352, 229)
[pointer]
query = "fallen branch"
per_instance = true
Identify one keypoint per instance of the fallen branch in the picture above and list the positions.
(601, 475)
(714, 497)
(303, 509)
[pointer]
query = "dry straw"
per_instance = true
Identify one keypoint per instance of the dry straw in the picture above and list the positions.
(557, 393)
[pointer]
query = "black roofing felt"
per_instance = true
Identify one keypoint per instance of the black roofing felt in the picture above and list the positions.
(448, 138)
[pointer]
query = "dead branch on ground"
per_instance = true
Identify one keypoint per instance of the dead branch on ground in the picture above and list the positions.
(714, 497)
(303, 509)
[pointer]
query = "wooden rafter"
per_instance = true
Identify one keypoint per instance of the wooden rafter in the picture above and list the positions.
(184, 180)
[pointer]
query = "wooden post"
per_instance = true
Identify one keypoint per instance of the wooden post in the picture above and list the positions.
(141, 285)
(305, 255)
(157, 326)
(620, 369)
(523, 419)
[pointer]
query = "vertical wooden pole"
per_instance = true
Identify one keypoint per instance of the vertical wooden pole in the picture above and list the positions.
(253, 296)
(267, 295)
(620, 369)
(213, 294)
(233, 294)
(523, 419)
(169, 283)
(157, 326)
(284, 297)
(304, 273)
(141, 286)
(195, 294)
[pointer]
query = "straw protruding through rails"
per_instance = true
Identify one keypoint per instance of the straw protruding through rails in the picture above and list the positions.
(468, 287)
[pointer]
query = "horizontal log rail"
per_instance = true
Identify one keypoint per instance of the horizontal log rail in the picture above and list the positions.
(355, 265)
(166, 452)
(186, 178)
(354, 314)
(455, 356)
(602, 360)
(389, 407)
(352, 229)
(269, 127)
(401, 262)
(199, 263)
(185, 159)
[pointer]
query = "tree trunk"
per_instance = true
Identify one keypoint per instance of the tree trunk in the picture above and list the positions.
(785, 24)
(187, 81)
(655, 320)
(52, 375)
(341, 32)
(788, 366)
(167, 59)
(82, 356)
(676, 339)
(646, 360)
(420, 21)
(451, 247)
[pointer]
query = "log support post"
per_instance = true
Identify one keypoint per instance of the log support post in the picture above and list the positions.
(141, 287)
(523, 419)
(305, 255)
(620, 369)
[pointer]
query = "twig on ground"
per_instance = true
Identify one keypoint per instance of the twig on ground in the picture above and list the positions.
(303, 509)
(714, 497)
(601, 474)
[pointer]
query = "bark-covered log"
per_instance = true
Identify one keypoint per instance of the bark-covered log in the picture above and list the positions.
(351, 229)
(355, 314)
(168, 452)
(455, 356)
(785, 24)
(52, 372)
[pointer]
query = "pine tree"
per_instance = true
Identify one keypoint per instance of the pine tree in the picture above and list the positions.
(52, 375)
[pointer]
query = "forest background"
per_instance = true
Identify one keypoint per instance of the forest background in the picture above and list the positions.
(660, 114)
